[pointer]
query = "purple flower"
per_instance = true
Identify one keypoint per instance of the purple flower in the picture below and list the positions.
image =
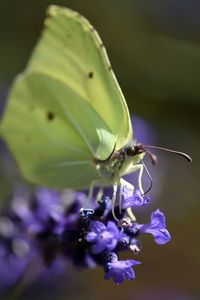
(120, 270)
(157, 227)
(101, 236)
(56, 227)
(131, 198)
(49, 204)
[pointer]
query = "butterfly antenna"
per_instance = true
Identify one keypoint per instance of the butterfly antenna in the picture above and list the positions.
(186, 156)
(151, 180)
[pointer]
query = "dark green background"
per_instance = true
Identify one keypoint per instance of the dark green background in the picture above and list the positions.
(154, 47)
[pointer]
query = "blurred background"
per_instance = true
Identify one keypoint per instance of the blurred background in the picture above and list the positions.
(154, 48)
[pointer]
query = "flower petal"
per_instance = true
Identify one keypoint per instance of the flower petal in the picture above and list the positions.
(121, 270)
(97, 226)
(90, 236)
(136, 199)
(157, 227)
(98, 247)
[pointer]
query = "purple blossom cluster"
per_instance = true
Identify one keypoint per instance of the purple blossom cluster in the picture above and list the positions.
(58, 226)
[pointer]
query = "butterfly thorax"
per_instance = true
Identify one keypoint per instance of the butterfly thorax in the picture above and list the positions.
(119, 163)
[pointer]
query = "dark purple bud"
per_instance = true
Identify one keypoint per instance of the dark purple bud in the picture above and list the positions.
(86, 213)
(135, 246)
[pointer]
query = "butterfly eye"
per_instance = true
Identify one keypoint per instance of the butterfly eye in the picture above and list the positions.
(130, 151)
(137, 149)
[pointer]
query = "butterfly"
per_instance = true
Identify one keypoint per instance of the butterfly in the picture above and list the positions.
(66, 121)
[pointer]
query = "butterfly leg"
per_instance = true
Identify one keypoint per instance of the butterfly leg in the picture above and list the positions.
(91, 189)
(129, 210)
(140, 168)
(96, 183)
(99, 194)
(134, 168)
(120, 198)
(114, 196)
(121, 183)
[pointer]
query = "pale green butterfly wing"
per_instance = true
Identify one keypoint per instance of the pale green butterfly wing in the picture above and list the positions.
(67, 108)
(71, 50)
(53, 132)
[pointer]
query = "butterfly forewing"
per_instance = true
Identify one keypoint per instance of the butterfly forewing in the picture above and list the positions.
(71, 50)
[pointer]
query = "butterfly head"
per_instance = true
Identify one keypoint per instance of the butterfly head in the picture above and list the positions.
(135, 153)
